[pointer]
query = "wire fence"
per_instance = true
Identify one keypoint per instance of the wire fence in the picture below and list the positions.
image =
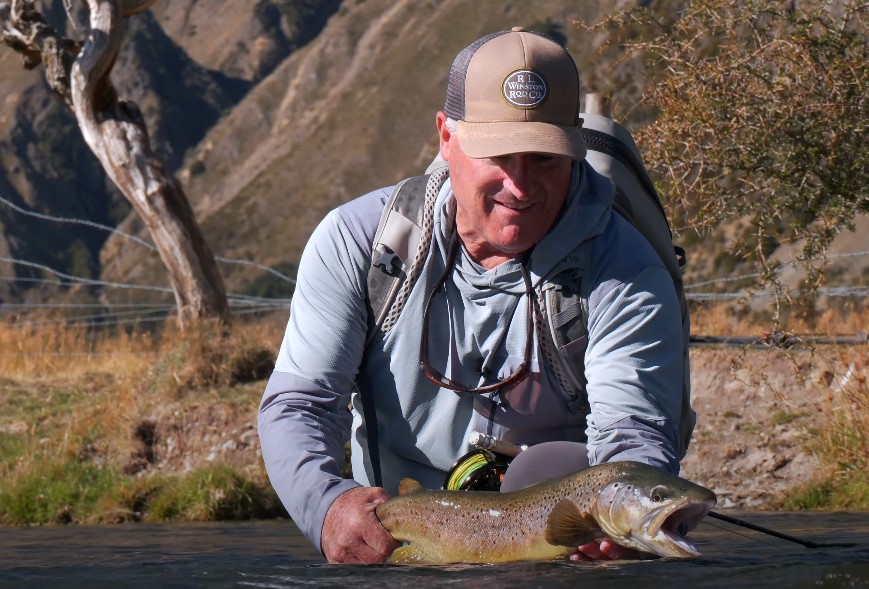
(133, 238)
(240, 304)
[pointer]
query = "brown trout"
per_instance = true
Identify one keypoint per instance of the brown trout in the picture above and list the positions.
(636, 505)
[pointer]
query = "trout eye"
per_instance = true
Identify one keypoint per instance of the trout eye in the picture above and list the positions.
(659, 493)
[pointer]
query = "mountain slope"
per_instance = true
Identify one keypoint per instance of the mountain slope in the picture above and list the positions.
(45, 167)
(273, 112)
(351, 111)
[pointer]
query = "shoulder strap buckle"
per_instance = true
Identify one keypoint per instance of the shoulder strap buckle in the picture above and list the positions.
(387, 260)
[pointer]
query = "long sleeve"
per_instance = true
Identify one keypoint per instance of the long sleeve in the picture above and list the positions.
(634, 370)
(304, 420)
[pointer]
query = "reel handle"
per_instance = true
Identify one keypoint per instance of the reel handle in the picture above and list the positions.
(488, 442)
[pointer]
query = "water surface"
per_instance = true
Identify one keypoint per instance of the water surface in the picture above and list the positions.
(274, 554)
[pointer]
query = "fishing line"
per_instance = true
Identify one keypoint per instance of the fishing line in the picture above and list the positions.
(746, 536)
(783, 536)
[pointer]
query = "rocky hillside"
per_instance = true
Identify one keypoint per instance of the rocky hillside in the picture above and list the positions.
(271, 112)
(351, 111)
(181, 65)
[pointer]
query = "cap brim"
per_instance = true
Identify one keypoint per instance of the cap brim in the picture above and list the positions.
(480, 140)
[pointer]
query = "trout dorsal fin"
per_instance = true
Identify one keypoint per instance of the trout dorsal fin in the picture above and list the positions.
(567, 526)
(408, 486)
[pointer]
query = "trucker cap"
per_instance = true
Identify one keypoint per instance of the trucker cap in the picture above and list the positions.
(515, 91)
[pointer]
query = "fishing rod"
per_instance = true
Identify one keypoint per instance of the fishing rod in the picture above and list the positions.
(783, 536)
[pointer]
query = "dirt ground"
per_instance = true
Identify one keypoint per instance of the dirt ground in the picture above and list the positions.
(756, 409)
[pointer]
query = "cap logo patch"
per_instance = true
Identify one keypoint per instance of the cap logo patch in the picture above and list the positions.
(524, 89)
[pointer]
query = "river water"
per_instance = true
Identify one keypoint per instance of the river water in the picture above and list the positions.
(274, 554)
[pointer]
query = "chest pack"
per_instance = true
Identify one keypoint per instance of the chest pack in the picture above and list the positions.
(403, 239)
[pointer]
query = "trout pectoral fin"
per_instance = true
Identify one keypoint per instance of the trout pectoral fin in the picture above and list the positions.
(410, 554)
(567, 526)
(408, 486)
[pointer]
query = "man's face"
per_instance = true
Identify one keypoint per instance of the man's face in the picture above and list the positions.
(505, 204)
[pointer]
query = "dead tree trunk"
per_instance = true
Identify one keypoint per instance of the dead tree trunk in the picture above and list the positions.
(116, 133)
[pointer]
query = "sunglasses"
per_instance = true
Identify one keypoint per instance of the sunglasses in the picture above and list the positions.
(442, 381)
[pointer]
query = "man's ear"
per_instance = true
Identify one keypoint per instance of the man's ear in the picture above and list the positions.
(443, 135)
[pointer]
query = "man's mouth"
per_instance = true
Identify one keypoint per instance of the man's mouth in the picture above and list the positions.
(515, 206)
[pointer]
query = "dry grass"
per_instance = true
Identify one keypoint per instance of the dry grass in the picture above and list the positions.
(77, 404)
(81, 410)
(71, 352)
(847, 427)
(732, 319)
(842, 436)
(55, 350)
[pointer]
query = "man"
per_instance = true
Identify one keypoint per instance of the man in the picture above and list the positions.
(520, 206)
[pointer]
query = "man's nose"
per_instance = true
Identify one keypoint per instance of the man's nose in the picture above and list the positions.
(519, 177)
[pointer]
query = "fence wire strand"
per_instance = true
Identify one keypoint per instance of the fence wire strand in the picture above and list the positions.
(243, 304)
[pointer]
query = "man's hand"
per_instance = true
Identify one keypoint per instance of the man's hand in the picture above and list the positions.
(352, 533)
(606, 549)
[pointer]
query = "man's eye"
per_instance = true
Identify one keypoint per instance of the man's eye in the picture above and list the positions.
(546, 159)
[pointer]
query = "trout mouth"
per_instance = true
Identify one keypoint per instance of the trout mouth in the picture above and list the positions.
(666, 529)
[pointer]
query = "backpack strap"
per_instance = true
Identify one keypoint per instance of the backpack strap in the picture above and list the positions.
(397, 235)
(400, 248)
(563, 334)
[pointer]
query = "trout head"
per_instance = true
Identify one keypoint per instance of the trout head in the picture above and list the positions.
(652, 511)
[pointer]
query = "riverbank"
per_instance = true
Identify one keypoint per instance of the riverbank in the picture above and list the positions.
(781, 428)
(131, 428)
(141, 431)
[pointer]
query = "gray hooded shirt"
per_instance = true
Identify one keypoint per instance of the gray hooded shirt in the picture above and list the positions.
(477, 335)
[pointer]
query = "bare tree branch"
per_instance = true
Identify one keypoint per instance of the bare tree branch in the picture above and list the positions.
(116, 133)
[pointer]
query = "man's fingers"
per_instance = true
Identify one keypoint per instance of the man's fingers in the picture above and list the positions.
(605, 550)
(358, 554)
(352, 533)
(379, 539)
(364, 554)
(592, 551)
(376, 536)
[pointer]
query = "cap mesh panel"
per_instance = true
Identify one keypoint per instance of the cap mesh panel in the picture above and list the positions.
(454, 106)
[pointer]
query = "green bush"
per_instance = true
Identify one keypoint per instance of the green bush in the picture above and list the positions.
(214, 493)
(63, 493)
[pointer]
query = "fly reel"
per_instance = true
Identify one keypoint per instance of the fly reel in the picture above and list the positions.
(478, 470)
